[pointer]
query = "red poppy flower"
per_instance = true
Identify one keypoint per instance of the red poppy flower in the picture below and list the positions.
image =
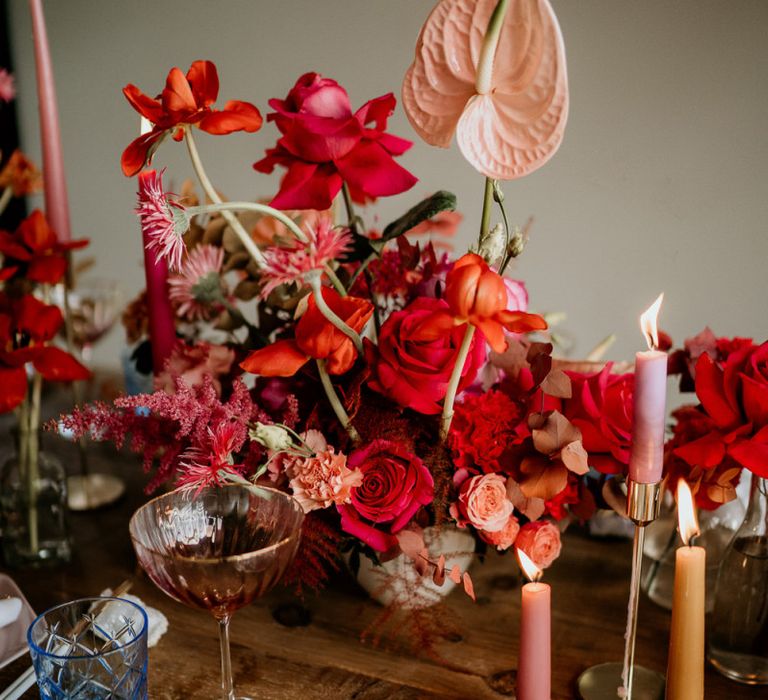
(477, 294)
(324, 144)
(36, 251)
(315, 338)
(26, 325)
(185, 100)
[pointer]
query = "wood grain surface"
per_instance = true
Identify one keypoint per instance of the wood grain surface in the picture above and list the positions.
(283, 647)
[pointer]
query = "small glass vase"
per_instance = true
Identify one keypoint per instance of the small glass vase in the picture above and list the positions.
(738, 632)
(33, 500)
(662, 540)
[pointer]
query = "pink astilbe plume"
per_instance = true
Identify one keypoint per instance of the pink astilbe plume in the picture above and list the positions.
(198, 289)
(210, 463)
(163, 220)
(162, 427)
(7, 86)
(294, 259)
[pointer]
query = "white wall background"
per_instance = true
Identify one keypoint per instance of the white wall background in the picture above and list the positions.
(660, 183)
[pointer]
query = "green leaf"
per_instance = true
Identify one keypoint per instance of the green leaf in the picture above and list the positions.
(426, 209)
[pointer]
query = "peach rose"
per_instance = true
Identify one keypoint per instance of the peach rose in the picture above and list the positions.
(540, 540)
(483, 503)
(504, 538)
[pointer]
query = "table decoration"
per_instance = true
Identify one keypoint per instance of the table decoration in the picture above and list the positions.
(219, 550)
(685, 670)
(534, 681)
(643, 501)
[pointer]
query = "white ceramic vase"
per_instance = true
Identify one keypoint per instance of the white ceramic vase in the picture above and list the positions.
(397, 581)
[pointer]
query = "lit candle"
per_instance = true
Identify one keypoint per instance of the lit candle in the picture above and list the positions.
(56, 202)
(685, 670)
(534, 676)
(649, 403)
(162, 325)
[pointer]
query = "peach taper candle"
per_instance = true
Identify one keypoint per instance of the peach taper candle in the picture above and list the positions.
(685, 669)
(534, 674)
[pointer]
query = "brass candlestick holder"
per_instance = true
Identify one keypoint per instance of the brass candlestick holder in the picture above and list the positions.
(626, 680)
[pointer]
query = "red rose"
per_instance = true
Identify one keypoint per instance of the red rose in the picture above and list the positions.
(396, 483)
(324, 144)
(601, 407)
(734, 394)
(415, 373)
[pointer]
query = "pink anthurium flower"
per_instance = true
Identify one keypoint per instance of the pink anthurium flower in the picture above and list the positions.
(494, 73)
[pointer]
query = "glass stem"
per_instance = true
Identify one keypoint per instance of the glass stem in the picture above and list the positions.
(227, 684)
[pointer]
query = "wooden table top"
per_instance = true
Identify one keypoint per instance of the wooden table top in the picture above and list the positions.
(325, 658)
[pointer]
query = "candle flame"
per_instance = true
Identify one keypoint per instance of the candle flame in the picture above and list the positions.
(686, 512)
(648, 323)
(531, 571)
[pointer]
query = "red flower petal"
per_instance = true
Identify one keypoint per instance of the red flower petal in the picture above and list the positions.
(10, 248)
(14, 383)
(377, 110)
(203, 79)
(307, 186)
(706, 452)
(35, 232)
(236, 116)
(711, 393)
(59, 366)
(177, 95)
(369, 168)
(144, 105)
(47, 270)
(521, 322)
(755, 397)
(7, 273)
(280, 359)
(140, 151)
(752, 455)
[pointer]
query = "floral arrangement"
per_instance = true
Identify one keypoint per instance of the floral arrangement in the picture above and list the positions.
(387, 384)
(727, 431)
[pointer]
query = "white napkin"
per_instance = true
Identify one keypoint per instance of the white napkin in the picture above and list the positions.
(158, 623)
(10, 609)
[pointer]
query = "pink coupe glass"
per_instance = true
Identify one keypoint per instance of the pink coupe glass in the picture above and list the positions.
(218, 549)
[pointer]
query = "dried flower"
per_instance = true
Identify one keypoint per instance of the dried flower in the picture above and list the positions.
(163, 220)
(21, 175)
(492, 244)
(292, 261)
(198, 289)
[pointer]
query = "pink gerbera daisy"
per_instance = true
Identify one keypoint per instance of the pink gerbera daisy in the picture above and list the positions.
(201, 467)
(199, 289)
(163, 220)
(294, 259)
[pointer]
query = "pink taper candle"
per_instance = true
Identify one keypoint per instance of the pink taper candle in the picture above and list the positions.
(649, 403)
(162, 325)
(56, 202)
(534, 675)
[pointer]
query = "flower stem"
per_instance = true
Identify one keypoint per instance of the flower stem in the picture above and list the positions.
(29, 432)
(453, 384)
(484, 82)
(5, 198)
(333, 399)
(335, 281)
(226, 207)
(237, 227)
(317, 291)
(353, 220)
(485, 219)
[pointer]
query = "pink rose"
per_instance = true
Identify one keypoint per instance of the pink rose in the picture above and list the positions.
(395, 484)
(483, 503)
(540, 540)
(192, 363)
(504, 538)
(415, 372)
(517, 295)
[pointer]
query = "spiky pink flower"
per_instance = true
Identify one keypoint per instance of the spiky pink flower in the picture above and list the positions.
(7, 86)
(208, 464)
(199, 289)
(294, 259)
(163, 220)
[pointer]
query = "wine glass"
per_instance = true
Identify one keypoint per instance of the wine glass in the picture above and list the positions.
(217, 549)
